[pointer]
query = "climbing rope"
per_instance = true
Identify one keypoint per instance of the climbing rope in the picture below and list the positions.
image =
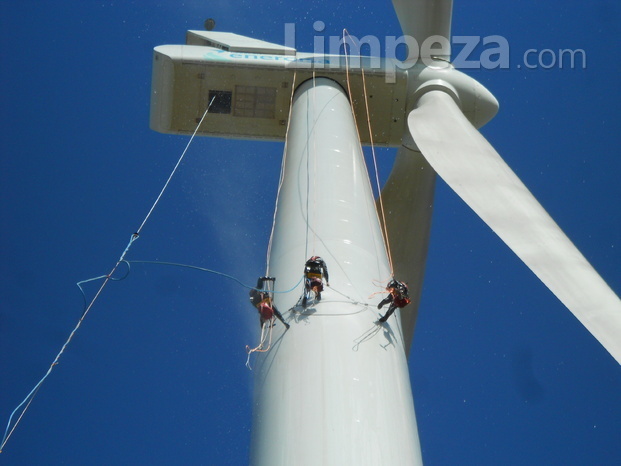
(383, 225)
(281, 179)
(28, 400)
(314, 216)
(10, 428)
(215, 272)
(261, 349)
(376, 171)
(174, 170)
(266, 299)
(310, 136)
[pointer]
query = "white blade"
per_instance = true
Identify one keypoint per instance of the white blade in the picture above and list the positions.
(421, 19)
(475, 171)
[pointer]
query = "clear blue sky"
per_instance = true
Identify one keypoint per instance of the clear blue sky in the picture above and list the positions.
(502, 373)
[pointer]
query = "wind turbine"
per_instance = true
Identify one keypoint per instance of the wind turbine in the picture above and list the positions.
(466, 317)
(349, 400)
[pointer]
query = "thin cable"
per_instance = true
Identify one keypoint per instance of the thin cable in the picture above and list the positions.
(203, 269)
(308, 138)
(366, 102)
(157, 200)
(379, 191)
(281, 180)
(80, 283)
(107, 278)
(314, 222)
(33, 392)
(270, 324)
(351, 102)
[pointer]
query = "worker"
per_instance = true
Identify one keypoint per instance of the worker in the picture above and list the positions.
(261, 298)
(397, 297)
(315, 271)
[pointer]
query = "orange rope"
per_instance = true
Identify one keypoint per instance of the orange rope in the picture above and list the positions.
(366, 103)
(379, 192)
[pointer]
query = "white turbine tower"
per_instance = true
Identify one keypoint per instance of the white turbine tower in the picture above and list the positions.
(334, 389)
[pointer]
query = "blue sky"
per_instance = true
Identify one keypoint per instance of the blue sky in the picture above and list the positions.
(502, 373)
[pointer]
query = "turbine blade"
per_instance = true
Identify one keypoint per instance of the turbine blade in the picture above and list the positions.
(422, 19)
(407, 200)
(475, 171)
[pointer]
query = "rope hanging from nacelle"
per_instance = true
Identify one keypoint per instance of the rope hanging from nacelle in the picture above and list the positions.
(10, 428)
(376, 171)
(281, 179)
(266, 329)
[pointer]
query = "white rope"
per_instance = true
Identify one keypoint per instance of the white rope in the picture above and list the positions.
(157, 200)
(107, 278)
(281, 180)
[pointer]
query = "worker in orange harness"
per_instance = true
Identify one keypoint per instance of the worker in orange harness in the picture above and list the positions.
(315, 271)
(262, 300)
(397, 297)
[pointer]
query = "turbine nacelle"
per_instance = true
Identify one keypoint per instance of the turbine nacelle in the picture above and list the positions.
(250, 83)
